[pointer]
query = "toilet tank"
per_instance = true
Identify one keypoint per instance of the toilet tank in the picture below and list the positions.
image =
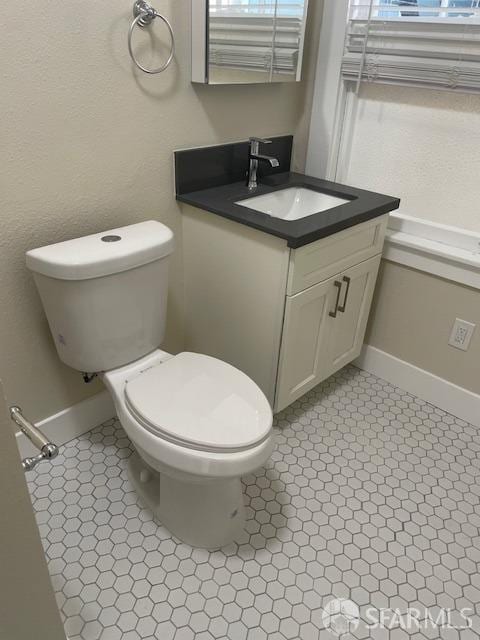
(105, 295)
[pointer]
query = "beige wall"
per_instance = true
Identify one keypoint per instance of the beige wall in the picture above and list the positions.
(412, 317)
(27, 603)
(421, 145)
(87, 145)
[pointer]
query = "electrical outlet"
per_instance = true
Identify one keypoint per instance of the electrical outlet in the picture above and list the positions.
(461, 335)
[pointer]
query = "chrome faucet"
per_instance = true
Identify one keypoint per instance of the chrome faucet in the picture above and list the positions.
(254, 157)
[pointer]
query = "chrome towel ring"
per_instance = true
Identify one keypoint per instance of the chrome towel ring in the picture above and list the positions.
(144, 14)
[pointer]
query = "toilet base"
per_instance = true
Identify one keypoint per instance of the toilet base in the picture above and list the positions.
(206, 513)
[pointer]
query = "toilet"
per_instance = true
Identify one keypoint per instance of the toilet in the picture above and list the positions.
(197, 424)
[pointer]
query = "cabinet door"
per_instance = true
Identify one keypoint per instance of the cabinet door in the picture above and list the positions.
(347, 329)
(305, 342)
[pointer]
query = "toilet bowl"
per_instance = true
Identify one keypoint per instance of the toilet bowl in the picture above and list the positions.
(197, 424)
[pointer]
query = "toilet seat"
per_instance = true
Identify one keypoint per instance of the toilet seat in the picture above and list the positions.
(200, 403)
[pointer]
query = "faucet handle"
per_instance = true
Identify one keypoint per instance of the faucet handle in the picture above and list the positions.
(260, 140)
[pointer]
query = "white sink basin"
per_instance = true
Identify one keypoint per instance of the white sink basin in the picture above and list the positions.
(293, 203)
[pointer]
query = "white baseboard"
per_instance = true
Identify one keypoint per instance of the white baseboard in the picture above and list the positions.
(445, 395)
(71, 422)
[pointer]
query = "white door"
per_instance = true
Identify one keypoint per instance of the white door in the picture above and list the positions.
(27, 603)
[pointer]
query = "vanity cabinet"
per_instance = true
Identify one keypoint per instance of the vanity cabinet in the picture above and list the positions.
(289, 318)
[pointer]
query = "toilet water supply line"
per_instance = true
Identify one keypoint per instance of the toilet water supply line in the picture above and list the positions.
(48, 450)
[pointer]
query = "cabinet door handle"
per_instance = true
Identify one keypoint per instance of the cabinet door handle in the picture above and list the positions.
(347, 290)
(333, 314)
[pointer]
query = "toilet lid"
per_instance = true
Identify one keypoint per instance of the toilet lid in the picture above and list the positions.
(200, 402)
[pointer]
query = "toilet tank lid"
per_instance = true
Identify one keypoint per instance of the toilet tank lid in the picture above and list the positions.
(102, 254)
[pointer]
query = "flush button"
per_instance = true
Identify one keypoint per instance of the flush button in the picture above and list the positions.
(111, 238)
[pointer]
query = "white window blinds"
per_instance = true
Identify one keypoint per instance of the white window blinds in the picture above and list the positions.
(415, 42)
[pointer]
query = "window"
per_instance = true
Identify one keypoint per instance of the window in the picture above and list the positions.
(270, 8)
(441, 6)
(416, 42)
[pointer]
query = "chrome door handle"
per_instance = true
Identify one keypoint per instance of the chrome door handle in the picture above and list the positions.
(347, 291)
(333, 314)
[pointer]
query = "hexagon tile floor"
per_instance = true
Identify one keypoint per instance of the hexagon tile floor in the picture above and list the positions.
(371, 496)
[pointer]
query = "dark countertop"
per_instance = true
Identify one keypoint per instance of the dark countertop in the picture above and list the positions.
(362, 206)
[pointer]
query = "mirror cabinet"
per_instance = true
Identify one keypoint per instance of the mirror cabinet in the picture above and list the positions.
(247, 41)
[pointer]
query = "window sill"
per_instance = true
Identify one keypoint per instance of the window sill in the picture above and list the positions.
(447, 252)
